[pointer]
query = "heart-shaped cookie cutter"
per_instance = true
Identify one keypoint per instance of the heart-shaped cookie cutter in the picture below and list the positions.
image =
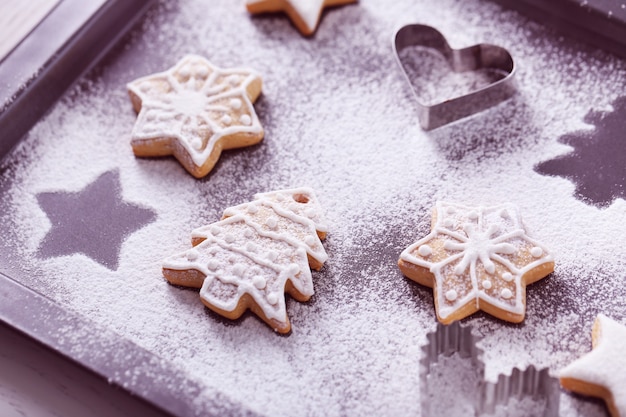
(467, 59)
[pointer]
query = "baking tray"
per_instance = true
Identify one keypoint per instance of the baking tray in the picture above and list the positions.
(339, 118)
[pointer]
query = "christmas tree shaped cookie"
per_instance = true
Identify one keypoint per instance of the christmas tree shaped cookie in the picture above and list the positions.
(477, 258)
(256, 253)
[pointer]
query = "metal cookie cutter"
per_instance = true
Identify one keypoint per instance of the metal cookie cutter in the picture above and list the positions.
(483, 397)
(467, 59)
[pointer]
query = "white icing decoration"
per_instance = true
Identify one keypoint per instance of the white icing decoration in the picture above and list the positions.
(536, 252)
(196, 143)
(212, 265)
(261, 264)
(272, 222)
(467, 256)
(472, 215)
(425, 250)
(448, 223)
(506, 293)
(235, 103)
(245, 119)
(272, 298)
(259, 282)
(192, 255)
(451, 295)
(184, 105)
(226, 119)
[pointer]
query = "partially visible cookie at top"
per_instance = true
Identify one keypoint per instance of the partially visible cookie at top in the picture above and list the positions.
(193, 111)
(602, 372)
(477, 258)
(305, 14)
(257, 252)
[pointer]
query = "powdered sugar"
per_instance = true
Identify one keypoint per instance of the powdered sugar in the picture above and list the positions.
(338, 118)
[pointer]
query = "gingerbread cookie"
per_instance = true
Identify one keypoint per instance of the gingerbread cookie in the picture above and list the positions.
(256, 253)
(305, 14)
(193, 111)
(602, 372)
(477, 258)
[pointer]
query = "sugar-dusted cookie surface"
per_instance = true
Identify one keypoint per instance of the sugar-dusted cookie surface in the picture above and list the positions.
(256, 253)
(477, 258)
(193, 111)
(305, 14)
(602, 372)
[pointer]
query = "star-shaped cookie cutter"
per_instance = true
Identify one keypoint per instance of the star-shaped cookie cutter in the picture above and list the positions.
(474, 57)
(531, 384)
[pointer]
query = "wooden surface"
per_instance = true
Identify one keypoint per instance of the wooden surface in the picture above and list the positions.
(18, 18)
(36, 382)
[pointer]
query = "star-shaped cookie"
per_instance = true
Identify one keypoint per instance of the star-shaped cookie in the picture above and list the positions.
(305, 14)
(94, 221)
(601, 372)
(194, 111)
(477, 258)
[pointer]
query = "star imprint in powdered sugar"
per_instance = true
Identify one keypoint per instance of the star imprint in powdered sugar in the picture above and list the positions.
(477, 258)
(193, 111)
(94, 221)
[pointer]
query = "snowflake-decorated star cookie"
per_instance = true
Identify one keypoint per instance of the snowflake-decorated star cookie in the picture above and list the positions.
(477, 258)
(194, 111)
(305, 14)
(602, 372)
(256, 253)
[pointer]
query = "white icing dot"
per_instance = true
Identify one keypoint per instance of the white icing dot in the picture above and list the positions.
(425, 250)
(245, 119)
(226, 119)
(196, 143)
(239, 269)
(248, 233)
(229, 238)
(272, 298)
(451, 295)
(504, 214)
(293, 207)
(293, 269)
(472, 215)
(310, 213)
(280, 197)
(192, 255)
(212, 250)
(233, 80)
(215, 230)
(259, 282)
(507, 276)
(184, 71)
(271, 222)
(506, 293)
(251, 247)
(202, 71)
(212, 264)
(450, 210)
(536, 251)
(310, 240)
(232, 259)
(487, 284)
(253, 209)
(448, 223)
(272, 255)
(235, 103)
